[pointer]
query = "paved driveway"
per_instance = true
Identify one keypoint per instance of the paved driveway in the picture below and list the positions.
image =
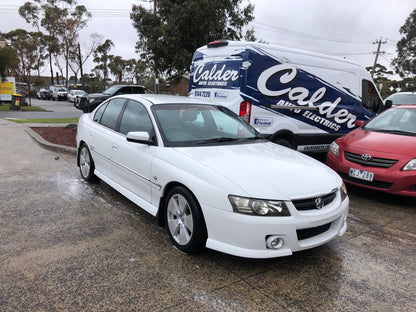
(68, 245)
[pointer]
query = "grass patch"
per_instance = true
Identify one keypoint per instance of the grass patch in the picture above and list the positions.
(33, 109)
(45, 120)
(6, 107)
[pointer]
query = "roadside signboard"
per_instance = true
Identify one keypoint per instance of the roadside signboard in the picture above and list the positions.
(7, 88)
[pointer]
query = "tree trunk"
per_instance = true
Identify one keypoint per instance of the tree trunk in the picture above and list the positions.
(50, 64)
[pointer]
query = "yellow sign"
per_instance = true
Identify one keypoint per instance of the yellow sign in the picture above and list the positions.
(6, 87)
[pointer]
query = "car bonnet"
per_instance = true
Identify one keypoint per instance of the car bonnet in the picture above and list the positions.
(266, 170)
(385, 143)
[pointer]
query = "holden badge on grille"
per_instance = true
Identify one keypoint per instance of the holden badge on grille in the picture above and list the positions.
(319, 203)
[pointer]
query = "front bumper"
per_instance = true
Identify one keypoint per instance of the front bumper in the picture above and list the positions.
(391, 180)
(245, 236)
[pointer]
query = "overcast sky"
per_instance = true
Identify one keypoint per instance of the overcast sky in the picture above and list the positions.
(345, 28)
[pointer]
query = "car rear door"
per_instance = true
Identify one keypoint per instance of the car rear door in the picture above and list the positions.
(103, 133)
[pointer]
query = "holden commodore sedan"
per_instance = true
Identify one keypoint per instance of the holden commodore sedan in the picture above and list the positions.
(210, 178)
(381, 155)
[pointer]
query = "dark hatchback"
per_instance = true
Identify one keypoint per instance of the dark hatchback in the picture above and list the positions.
(89, 102)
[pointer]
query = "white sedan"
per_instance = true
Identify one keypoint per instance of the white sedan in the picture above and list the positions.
(210, 178)
(74, 94)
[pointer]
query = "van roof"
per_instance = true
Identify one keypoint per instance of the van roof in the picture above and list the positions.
(229, 43)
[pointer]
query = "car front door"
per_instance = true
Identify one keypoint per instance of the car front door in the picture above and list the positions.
(132, 160)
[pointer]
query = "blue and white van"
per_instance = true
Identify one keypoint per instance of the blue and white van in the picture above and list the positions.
(295, 98)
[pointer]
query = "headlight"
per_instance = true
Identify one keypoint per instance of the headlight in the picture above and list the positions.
(334, 148)
(343, 191)
(411, 165)
(259, 207)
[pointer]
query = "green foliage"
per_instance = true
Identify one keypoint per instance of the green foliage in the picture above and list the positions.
(102, 57)
(117, 66)
(28, 47)
(8, 59)
(405, 62)
(62, 20)
(380, 71)
(168, 38)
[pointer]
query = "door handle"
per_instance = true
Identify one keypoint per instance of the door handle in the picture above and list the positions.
(115, 148)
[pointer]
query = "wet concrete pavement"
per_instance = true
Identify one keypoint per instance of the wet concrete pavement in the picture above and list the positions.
(70, 246)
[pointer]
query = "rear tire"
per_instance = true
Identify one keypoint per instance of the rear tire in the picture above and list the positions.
(86, 164)
(184, 220)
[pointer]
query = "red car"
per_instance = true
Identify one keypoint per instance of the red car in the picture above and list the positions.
(381, 154)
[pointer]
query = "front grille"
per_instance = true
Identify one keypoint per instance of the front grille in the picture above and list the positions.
(310, 204)
(373, 162)
(311, 232)
(374, 183)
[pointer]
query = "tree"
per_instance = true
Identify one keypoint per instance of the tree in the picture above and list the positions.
(405, 62)
(102, 57)
(62, 20)
(8, 58)
(78, 57)
(169, 35)
(28, 47)
(380, 72)
(249, 36)
(117, 65)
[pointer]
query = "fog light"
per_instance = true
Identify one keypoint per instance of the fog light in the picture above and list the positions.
(274, 242)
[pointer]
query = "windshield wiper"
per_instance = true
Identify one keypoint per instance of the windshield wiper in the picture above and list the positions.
(395, 131)
(227, 139)
(220, 139)
(258, 137)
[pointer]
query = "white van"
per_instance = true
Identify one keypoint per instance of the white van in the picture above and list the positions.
(295, 98)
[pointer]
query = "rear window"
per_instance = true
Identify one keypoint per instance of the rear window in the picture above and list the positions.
(399, 99)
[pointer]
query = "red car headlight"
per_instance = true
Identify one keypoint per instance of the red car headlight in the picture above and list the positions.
(411, 165)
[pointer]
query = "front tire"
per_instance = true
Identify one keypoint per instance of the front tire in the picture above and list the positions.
(185, 221)
(86, 164)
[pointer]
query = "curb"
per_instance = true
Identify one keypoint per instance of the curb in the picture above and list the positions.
(49, 145)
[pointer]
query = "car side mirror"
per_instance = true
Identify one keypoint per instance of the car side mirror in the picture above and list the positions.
(139, 137)
(359, 123)
(388, 104)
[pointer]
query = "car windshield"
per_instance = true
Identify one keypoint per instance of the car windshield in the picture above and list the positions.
(398, 120)
(111, 90)
(196, 125)
(399, 99)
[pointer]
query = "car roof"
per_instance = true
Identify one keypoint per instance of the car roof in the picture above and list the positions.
(413, 106)
(402, 93)
(127, 86)
(157, 99)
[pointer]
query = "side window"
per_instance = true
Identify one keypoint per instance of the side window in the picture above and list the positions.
(99, 113)
(123, 90)
(137, 90)
(135, 118)
(370, 98)
(112, 112)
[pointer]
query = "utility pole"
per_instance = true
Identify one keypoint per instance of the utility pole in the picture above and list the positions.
(379, 42)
